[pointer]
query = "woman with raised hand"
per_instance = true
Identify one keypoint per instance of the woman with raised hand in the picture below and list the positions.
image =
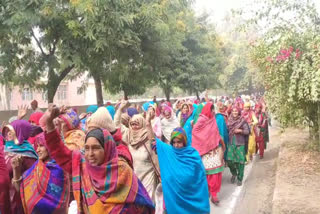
(16, 146)
(101, 181)
(44, 187)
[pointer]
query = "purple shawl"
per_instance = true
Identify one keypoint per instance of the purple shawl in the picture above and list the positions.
(23, 130)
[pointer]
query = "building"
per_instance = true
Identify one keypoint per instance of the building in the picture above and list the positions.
(68, 94)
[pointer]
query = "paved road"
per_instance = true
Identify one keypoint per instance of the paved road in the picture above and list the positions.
(231, 196)
(229, 192)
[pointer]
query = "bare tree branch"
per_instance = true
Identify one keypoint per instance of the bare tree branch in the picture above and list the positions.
(38, 43)
(65, 72)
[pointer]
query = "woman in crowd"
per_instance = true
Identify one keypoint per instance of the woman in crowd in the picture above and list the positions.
(16, 146)
(44, 187)
(207, 141)
(168, 123)
(102, 119)
(249, 116)
(4, 182)
(236, 157)
(186, 112)
(102, 183)
(155, 121)
(68, 125)
(223, 130)
(262, 136)
(144, 160)
(183, 177)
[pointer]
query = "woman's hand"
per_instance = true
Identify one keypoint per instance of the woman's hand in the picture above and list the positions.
(123, 104)
(238, 131)
(22, 111)
(52, 113)
(16, 164)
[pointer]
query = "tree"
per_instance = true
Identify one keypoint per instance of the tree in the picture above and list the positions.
(203, 58)
(287, 55)
(35, 42)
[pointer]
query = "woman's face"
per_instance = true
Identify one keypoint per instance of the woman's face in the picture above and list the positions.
(246, 108)
(135, 126)
(185, 109)
(167, 115)
(177, 143)
(212, 111)
(61, 126)
(42, 153)
(152, 112)
(94, 152)
(9, 136)
(235, 112)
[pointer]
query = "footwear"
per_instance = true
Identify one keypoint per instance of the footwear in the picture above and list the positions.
(239, 183)
(233, 179)
(261, 157)
(215, 200)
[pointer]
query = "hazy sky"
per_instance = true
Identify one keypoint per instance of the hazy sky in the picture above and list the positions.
(219, 8)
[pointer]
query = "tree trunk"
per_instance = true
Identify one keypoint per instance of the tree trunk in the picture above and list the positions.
(125, 95)
(98, 85)
(197, 94)
(167, 92)
(52, 85)
(54, 81)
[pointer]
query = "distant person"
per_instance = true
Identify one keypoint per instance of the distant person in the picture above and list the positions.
(34, 106)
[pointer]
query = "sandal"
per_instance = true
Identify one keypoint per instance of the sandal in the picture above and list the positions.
(215, 200)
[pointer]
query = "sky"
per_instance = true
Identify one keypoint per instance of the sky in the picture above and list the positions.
(219, 8)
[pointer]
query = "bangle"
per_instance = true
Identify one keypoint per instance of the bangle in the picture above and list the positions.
(16, 180)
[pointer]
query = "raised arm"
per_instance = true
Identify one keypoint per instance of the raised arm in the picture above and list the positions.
(117, 116)
(57, 150)
(151, 135)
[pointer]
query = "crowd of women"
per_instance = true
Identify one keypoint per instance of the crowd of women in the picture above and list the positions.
(155, 158)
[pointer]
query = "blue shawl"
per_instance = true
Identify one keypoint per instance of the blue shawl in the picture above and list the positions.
(223, 130)
(24, 149)
(112, 111)
(188, 127)
(184, 181)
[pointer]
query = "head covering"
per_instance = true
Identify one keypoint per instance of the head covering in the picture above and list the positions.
(184, 183)
(205, 133)
(168, 125)
(184, 116)
(247, 104)
(71, 118)
(22, 130)
(43, 122)
(35, 117)
(101, 119)
(180, 134)
(13, 118)
(110, 186)
(234, 122)
(132, 111)
(92, 109)
(97, 134)
(40, 140)
(111, 110)
(140, 136)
